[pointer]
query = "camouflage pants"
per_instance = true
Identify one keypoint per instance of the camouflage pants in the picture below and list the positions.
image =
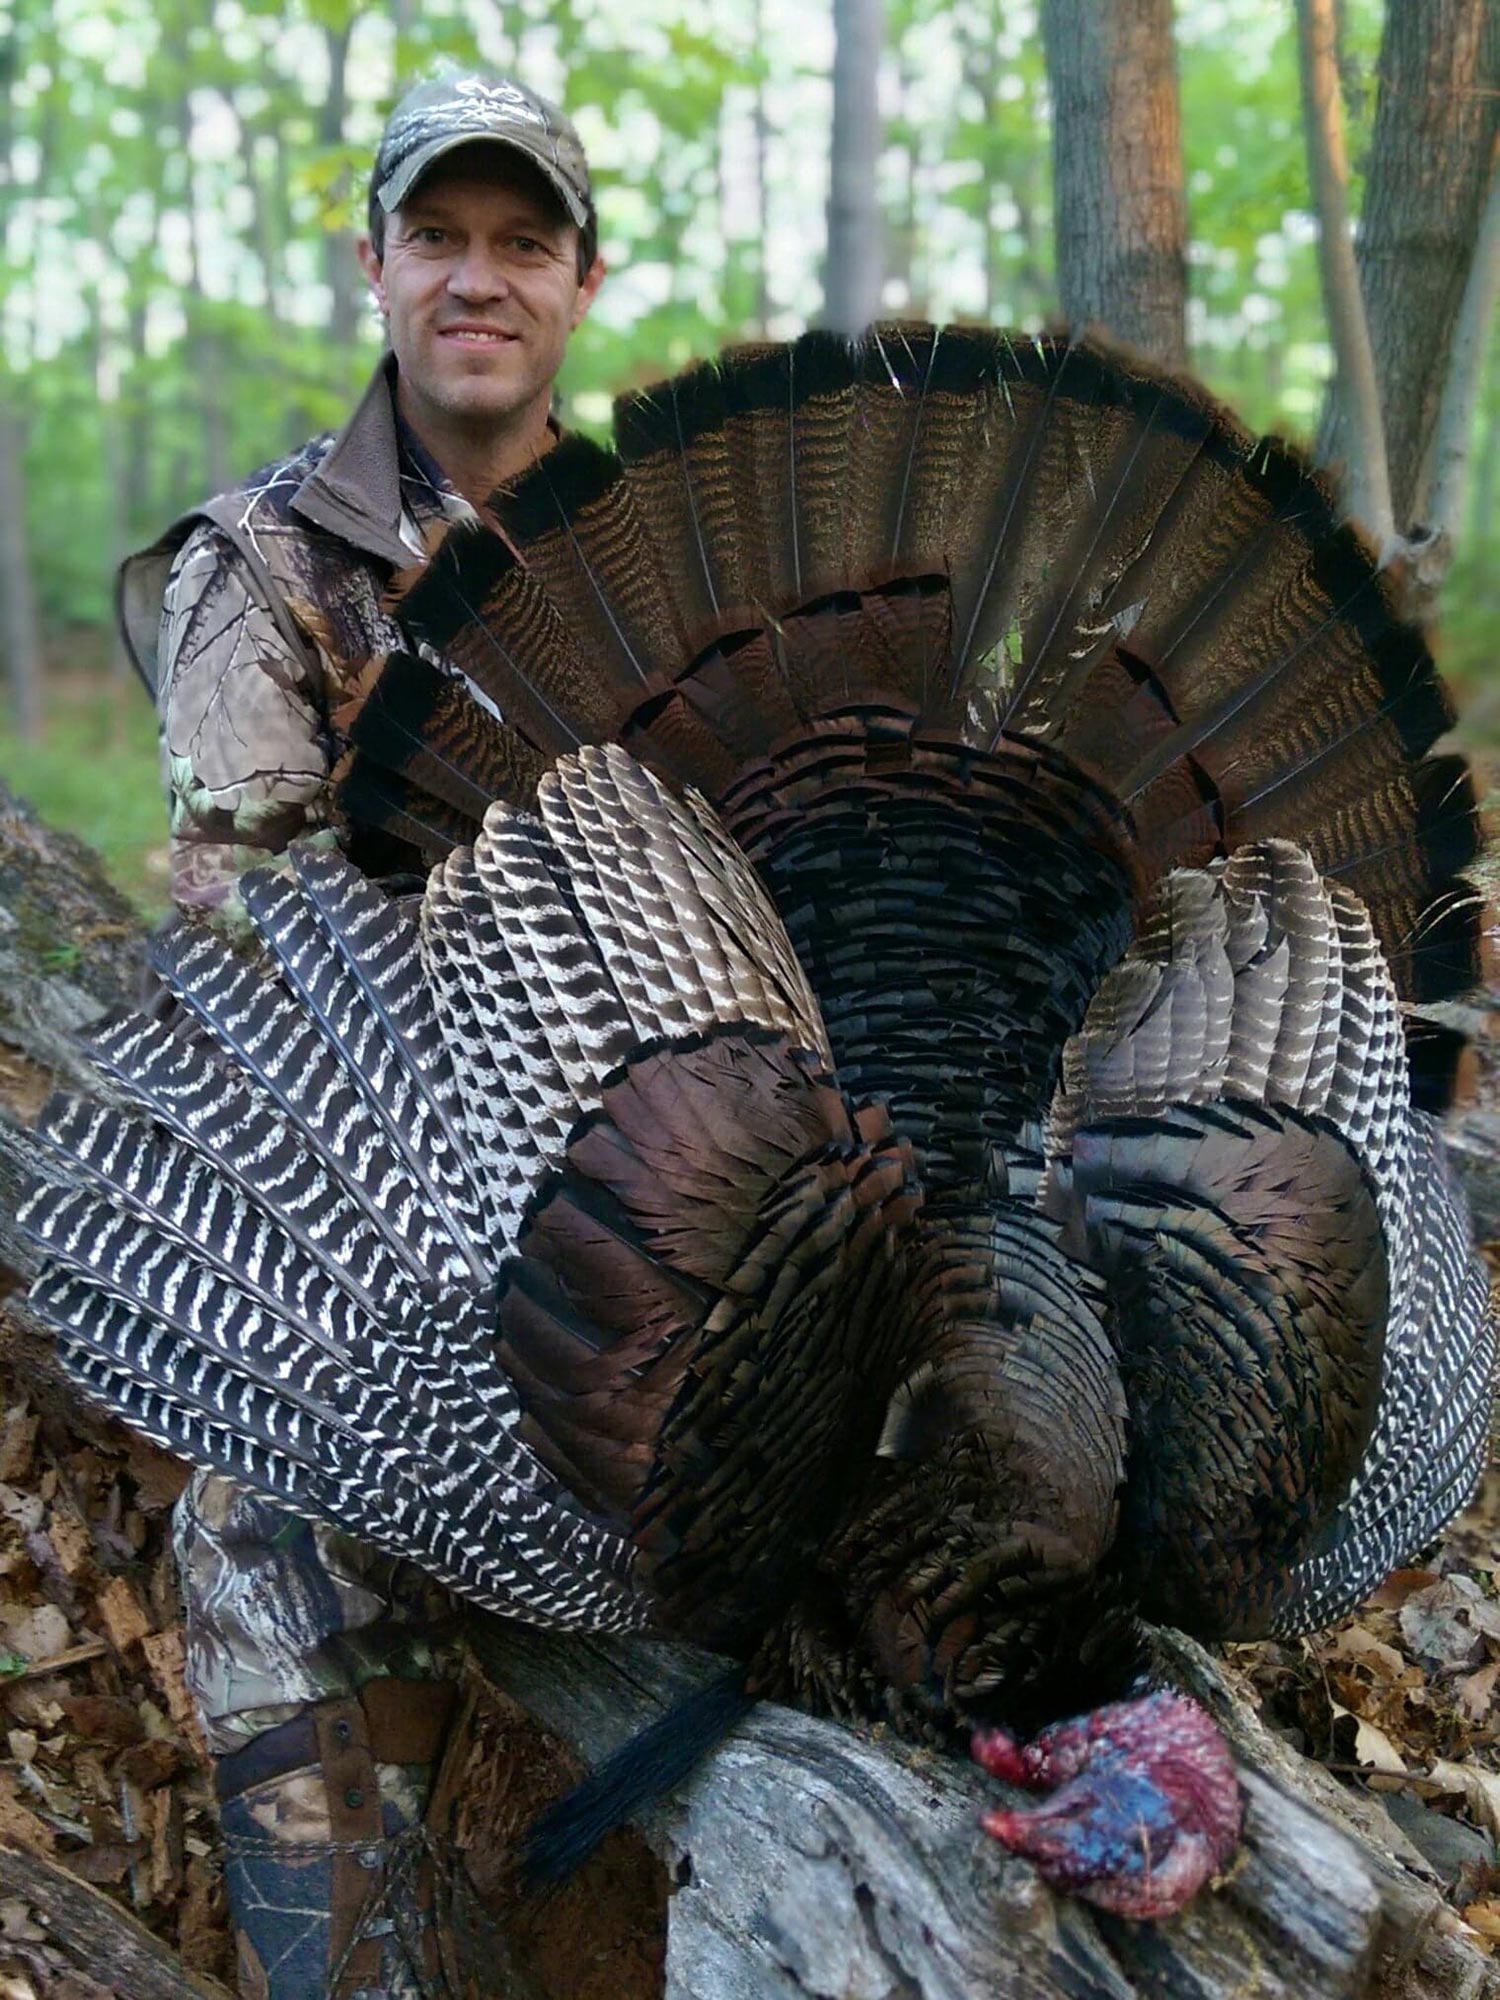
(282, 1612)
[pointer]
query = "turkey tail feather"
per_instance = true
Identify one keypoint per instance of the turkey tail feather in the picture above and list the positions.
(1004, 537)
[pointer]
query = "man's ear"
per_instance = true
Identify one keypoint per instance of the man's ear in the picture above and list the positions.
(373, 268)
(593, 278)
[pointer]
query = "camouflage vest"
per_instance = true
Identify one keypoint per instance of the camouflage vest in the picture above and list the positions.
(321, 533)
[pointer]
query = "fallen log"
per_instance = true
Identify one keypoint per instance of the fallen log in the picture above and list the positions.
(815, 1862)
(103, 1940)
(807, 1859)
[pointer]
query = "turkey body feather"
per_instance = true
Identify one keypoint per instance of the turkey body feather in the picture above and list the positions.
(893, 1138)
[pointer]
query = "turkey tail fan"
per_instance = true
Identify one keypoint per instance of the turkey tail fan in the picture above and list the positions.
(993, 537)
(430, 758)
(1233, 1143)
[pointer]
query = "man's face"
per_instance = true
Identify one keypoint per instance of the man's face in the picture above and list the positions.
(479, 284)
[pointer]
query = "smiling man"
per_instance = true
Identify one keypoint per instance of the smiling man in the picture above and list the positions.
(256, 619)
(482, 264)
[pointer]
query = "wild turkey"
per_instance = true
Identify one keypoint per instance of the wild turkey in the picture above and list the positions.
(890, 1152)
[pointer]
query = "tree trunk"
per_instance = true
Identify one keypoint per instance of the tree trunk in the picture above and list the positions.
(105, 1940)
(203, 339)
(104, 361)
(1430, 167)
(140, 446)
(1453, 437)
(20, 639)
(339, 267)
(1121, 213)
(1366, 479)
(812, 1860)
(854, 271)
(19, 633)
(761, 127)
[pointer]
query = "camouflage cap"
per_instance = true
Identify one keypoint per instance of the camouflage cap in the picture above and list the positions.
(446, 112)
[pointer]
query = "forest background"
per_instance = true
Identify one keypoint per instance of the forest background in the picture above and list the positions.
(181, 185)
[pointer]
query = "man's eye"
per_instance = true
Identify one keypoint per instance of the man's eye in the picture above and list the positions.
(432, 234)
(528, 245)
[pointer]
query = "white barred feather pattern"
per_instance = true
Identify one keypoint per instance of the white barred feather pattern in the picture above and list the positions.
(281, 1257)
(1256, 980)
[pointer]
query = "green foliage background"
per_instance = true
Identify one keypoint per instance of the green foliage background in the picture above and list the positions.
(182, 186)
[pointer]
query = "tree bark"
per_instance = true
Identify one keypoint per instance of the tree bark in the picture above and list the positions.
(814, 1861)
(1453, 439)
(339, 265)
(1121, 212)
(20, 638)
(854, 271)
(203, 339)
(761, 130)
(106, 1941)
(1430, 168)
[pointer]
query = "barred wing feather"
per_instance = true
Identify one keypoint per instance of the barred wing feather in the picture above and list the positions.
(282, 1250)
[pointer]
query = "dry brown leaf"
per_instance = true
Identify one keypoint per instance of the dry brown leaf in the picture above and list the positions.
(1479, 1789)
(1398, 1586)
(1476, 1691)
(35, 1631)
(1372, 1747)
(1440, 1626)
(122, 1614)
(108, 1861)
(148, 1765)
(104, 1718)
(18, 1442)
(71, 1541)
(16, 1921)
(19, 1823)
(90, 1777)
(1484, 1917)
(159, 1478)
(1355, 1643)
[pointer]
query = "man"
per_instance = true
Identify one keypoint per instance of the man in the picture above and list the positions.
(256, 619)
(482, 258)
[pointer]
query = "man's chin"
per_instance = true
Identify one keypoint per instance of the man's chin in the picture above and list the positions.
(483, 404)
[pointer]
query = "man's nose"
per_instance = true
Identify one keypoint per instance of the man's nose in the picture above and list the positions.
(479, 274)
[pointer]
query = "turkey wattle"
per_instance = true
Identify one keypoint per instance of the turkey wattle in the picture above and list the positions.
(890, 1150)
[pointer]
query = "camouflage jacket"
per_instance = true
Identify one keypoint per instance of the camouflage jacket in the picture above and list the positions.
(254, 620)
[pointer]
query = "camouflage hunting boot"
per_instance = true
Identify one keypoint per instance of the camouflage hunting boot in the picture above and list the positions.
(335, 1869)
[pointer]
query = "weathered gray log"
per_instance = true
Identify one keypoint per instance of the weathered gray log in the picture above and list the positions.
(70, 944)
(811, 1860)
(103, 1940)
(815, 1862)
